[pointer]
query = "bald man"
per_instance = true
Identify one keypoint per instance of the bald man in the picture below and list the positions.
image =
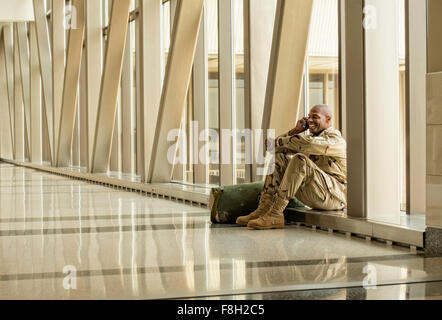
(312, 167)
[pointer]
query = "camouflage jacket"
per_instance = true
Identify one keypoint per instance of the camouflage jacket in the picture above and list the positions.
(327, 150)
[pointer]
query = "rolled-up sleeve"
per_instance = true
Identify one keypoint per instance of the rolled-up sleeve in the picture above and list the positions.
(328, 145)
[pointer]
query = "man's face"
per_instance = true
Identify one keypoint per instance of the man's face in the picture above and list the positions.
(318, 121)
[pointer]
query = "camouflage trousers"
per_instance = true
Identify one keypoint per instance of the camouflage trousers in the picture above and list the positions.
(295, 175)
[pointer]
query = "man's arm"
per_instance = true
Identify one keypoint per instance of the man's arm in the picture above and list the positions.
(330, 145)
(300, 127)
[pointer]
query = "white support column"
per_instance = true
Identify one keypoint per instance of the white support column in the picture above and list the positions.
(126, 112)
(36, 98)
(178, 168)
(138, 123)
(9, 67)
(70, 90)
(382, 113)
(58, 30)
(44, 53)
(417, 71)
(114, 163)
(200, 101)
(83, 115)
(289, 48)
(75, 154)
(150, 68)
(173, 6)
(23, 49)
(178, 71)
(109, 86)
(226, 91)
(94, 49)
(353, 104)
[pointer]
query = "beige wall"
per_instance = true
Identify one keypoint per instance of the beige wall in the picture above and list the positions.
(434, 150)
(434, 36)
(434, 115)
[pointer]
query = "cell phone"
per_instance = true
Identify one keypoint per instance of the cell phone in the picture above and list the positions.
(306, 125)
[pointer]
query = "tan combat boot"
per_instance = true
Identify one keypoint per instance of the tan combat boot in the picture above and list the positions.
(273, 219)
(265, 203)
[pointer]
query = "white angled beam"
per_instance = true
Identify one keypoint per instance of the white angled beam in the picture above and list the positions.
(23, 48)
(200, 103)
(258, 43)
(126, 109)
(70, 89)
(58, 30)
(9, 61)
(19, 128)
(44, 53)
(292, 24)
(6, 147)
(139, 145)
(110, 85)
(178, 71)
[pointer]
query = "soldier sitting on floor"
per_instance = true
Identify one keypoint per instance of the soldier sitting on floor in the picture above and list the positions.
(312, 168)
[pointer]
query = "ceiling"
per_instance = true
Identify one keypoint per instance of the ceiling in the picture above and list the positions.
(16, 10)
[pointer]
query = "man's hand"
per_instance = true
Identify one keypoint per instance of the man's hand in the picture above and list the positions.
(300, 127)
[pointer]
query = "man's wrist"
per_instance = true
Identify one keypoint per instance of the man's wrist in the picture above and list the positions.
(295, 131)
(280, 141)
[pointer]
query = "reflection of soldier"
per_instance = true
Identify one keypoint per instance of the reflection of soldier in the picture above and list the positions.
(311, 167)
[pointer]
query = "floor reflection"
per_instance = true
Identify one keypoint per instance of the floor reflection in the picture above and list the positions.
(127, 246)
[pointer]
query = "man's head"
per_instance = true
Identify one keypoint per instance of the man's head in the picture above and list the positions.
(320, 118)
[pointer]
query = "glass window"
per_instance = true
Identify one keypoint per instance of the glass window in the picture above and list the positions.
(241, 122)
(323, 57)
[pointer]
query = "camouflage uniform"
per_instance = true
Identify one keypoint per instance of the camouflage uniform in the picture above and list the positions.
(312, 168)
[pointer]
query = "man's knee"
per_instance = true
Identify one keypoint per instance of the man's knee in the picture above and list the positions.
(298, 163)
(300, 159)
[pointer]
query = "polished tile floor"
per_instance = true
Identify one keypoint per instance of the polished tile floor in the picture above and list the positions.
(66, 239)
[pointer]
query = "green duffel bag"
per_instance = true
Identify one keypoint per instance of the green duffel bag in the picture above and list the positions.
(227, 203)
